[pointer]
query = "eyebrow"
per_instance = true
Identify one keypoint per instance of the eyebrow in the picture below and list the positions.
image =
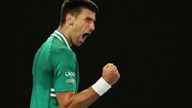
(89, 18)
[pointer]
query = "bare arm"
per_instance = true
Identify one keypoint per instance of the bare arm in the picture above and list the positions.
(85, 98)
(80, 100)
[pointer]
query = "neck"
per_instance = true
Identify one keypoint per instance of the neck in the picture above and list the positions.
(65, 31)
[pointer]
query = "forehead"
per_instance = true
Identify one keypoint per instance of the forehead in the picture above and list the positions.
(87, 13)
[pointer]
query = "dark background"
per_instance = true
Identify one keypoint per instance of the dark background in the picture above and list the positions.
(149, 41)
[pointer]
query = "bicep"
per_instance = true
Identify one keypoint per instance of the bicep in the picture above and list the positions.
(64, 99)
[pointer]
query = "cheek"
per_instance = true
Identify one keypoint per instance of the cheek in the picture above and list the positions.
(84, 26)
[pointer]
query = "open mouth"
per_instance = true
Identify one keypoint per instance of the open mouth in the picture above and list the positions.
(86, 35)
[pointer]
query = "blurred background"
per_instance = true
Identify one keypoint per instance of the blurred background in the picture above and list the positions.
(149, 41)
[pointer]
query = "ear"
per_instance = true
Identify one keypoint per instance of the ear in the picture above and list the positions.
(70, 19)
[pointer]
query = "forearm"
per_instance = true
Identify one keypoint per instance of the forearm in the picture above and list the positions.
(82, 99)
(90, 95)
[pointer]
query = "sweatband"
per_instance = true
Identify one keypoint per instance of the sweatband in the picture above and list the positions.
(101, 86)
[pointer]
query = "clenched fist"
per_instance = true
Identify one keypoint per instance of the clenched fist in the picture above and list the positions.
(110, 73)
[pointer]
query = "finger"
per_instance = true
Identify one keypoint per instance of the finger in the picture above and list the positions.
(108, 65)
(115, 67)
(111, 65)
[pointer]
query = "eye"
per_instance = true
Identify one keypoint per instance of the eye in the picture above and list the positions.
(88, 20)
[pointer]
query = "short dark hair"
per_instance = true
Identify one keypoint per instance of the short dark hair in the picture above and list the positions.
(74, 7)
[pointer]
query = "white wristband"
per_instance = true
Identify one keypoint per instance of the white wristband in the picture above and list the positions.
(101, 86)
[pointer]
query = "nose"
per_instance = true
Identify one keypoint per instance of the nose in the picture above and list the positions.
(92, 26)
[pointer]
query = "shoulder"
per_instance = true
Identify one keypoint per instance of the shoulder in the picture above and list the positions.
(62, 56)
(60, 50)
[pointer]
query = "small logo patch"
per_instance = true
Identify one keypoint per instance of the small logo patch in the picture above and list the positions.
(70, 80)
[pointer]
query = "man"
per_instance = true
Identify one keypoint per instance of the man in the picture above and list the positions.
(55, 67)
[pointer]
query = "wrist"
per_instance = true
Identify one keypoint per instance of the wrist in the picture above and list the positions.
(101, 86)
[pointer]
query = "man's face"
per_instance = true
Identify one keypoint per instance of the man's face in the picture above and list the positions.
(83, 26)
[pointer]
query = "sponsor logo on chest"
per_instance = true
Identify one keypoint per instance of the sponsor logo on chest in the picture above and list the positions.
(69, 73)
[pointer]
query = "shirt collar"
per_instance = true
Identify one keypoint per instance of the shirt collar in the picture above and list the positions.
(61, 37)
